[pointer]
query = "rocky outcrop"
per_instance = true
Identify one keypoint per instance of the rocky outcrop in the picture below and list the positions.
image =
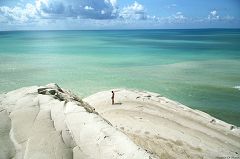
(167, 128)
(48, 122)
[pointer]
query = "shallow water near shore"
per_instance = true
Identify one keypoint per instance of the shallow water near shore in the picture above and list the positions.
(198, 68)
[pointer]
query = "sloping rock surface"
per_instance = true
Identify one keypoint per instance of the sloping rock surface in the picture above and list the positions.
(48, 122)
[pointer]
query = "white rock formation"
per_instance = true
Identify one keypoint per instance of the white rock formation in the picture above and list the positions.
(50, 123)
(166, 128)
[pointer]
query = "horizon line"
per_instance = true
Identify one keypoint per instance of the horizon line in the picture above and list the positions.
(129, 29)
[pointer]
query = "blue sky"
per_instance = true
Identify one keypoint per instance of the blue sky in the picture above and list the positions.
(118, 14)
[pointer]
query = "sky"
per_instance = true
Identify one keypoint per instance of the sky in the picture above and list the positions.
(118, 14)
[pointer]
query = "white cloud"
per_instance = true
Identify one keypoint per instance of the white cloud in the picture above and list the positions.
(228, 18)
(102, 12)
(84, 9)
(76, 8)
(178, 17)
(19, 14)
(213, 15)
(135, 11)
(171, 6)
(99, 13)
(55, 9)
(88, 8)
(112, 2)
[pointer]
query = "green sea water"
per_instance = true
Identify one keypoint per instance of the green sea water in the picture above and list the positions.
(199, 68)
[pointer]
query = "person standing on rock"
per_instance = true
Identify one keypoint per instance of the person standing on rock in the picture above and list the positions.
(112, 98)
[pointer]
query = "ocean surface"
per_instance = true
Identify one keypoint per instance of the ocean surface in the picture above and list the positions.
(198, 68)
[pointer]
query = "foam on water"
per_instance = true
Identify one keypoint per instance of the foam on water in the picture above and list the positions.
(237, 87)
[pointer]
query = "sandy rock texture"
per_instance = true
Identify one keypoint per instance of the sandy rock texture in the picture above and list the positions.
(165, 128)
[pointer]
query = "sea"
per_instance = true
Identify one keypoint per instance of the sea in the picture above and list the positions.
(199, 68)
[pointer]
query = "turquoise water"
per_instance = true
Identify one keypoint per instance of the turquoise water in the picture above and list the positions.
(199, 68)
